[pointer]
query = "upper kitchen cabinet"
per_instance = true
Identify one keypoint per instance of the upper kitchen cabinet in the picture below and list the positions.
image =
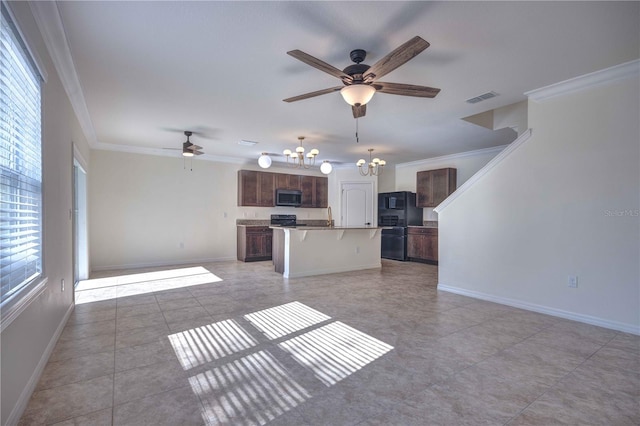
(314, 191)
(287, 181)
(256, 189)
(433, 186)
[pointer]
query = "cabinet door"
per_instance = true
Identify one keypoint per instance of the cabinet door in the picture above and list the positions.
(248, 188)
(268, 243)
(430, 248)
(441, 185)
(322, 192)
(414, 246)
(424, 189)
(255, 245)
(287, 181)
(308, 187)
(266, 190)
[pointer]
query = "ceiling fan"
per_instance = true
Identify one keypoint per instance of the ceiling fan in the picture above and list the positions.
(360, 81)
(189, 149)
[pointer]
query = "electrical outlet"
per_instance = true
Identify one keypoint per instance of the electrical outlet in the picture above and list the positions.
(572, 281)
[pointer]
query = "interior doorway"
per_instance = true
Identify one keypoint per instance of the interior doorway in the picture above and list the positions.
(356, 203)
(80, 233)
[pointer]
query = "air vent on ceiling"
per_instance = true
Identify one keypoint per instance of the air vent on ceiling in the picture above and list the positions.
(482, 97)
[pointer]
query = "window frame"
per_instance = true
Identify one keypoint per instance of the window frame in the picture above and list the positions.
(15, 304)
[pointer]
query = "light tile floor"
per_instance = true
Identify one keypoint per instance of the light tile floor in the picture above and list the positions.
(235, 343)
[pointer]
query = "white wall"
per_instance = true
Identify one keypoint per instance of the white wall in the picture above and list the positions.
(466, 164)
(150, 210)
(27, 341)
(563, 203)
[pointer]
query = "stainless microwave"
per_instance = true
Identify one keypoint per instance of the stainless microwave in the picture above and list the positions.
(288, 197)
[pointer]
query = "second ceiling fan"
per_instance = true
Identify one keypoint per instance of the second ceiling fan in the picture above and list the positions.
(360, 81)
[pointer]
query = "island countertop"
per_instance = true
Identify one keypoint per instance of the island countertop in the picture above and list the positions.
(316, 250)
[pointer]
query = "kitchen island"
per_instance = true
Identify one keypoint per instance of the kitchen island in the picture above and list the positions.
(309, 250)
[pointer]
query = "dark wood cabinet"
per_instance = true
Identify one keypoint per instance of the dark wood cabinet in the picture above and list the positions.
(314, 191)
(256, 189)
(422, 244)
(287, 181)
(254, 243)
(433, 186)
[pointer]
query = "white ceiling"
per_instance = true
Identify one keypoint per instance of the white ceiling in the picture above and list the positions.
(150, 70)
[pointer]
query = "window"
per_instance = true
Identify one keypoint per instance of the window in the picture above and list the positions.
(20, 171)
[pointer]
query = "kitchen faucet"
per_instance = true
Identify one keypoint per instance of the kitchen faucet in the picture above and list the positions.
(330, 220)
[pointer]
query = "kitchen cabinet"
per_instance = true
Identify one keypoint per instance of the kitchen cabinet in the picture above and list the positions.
(287, 181)
(433, 186)
(256, 189)
(314, 191)
(422, 244)
(254, 243)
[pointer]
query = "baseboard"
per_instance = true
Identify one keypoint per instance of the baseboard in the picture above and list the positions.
(161, 263)
(334, 270)
(23, 400)
(587, 319)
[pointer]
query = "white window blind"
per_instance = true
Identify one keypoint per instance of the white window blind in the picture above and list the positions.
(20, 166)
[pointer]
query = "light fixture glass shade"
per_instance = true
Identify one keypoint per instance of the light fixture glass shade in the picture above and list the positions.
(186, 153)
(264, 161)
(300, 149)
(357, 94)
(326, 167)
(374, 166)
(314, 151)
(287, 152)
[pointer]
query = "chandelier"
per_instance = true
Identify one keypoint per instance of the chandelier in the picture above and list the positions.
(298, 158)
(374, 168)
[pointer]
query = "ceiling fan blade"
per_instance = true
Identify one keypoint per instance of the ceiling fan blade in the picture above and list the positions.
(194, 147)
(173, 149)
(359, 111)
(398, 57)
(198, 152)
(318, 64)
(313, 94)
(406, 89)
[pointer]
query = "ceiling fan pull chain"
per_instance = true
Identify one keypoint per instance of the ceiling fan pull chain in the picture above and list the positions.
(357, 139)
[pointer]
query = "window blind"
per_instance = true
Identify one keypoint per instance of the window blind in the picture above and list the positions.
(20, 165)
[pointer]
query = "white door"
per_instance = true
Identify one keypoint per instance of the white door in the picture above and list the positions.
(357, 204)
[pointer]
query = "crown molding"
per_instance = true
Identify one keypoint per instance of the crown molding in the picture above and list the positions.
(445, 158)
(49, 22)
(587, 81)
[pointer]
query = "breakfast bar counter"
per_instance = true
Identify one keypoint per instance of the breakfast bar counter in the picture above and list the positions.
(314, 250)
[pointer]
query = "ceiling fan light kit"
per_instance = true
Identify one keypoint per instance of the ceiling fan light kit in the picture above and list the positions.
(361, 80)
(357, 94)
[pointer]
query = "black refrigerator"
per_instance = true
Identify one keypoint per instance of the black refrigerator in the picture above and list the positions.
(397, 210)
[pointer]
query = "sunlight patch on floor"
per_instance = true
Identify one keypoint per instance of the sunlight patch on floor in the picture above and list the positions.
(285, 319)
(99, 289)
(254, 389)
(205, 344)
(334, 351)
